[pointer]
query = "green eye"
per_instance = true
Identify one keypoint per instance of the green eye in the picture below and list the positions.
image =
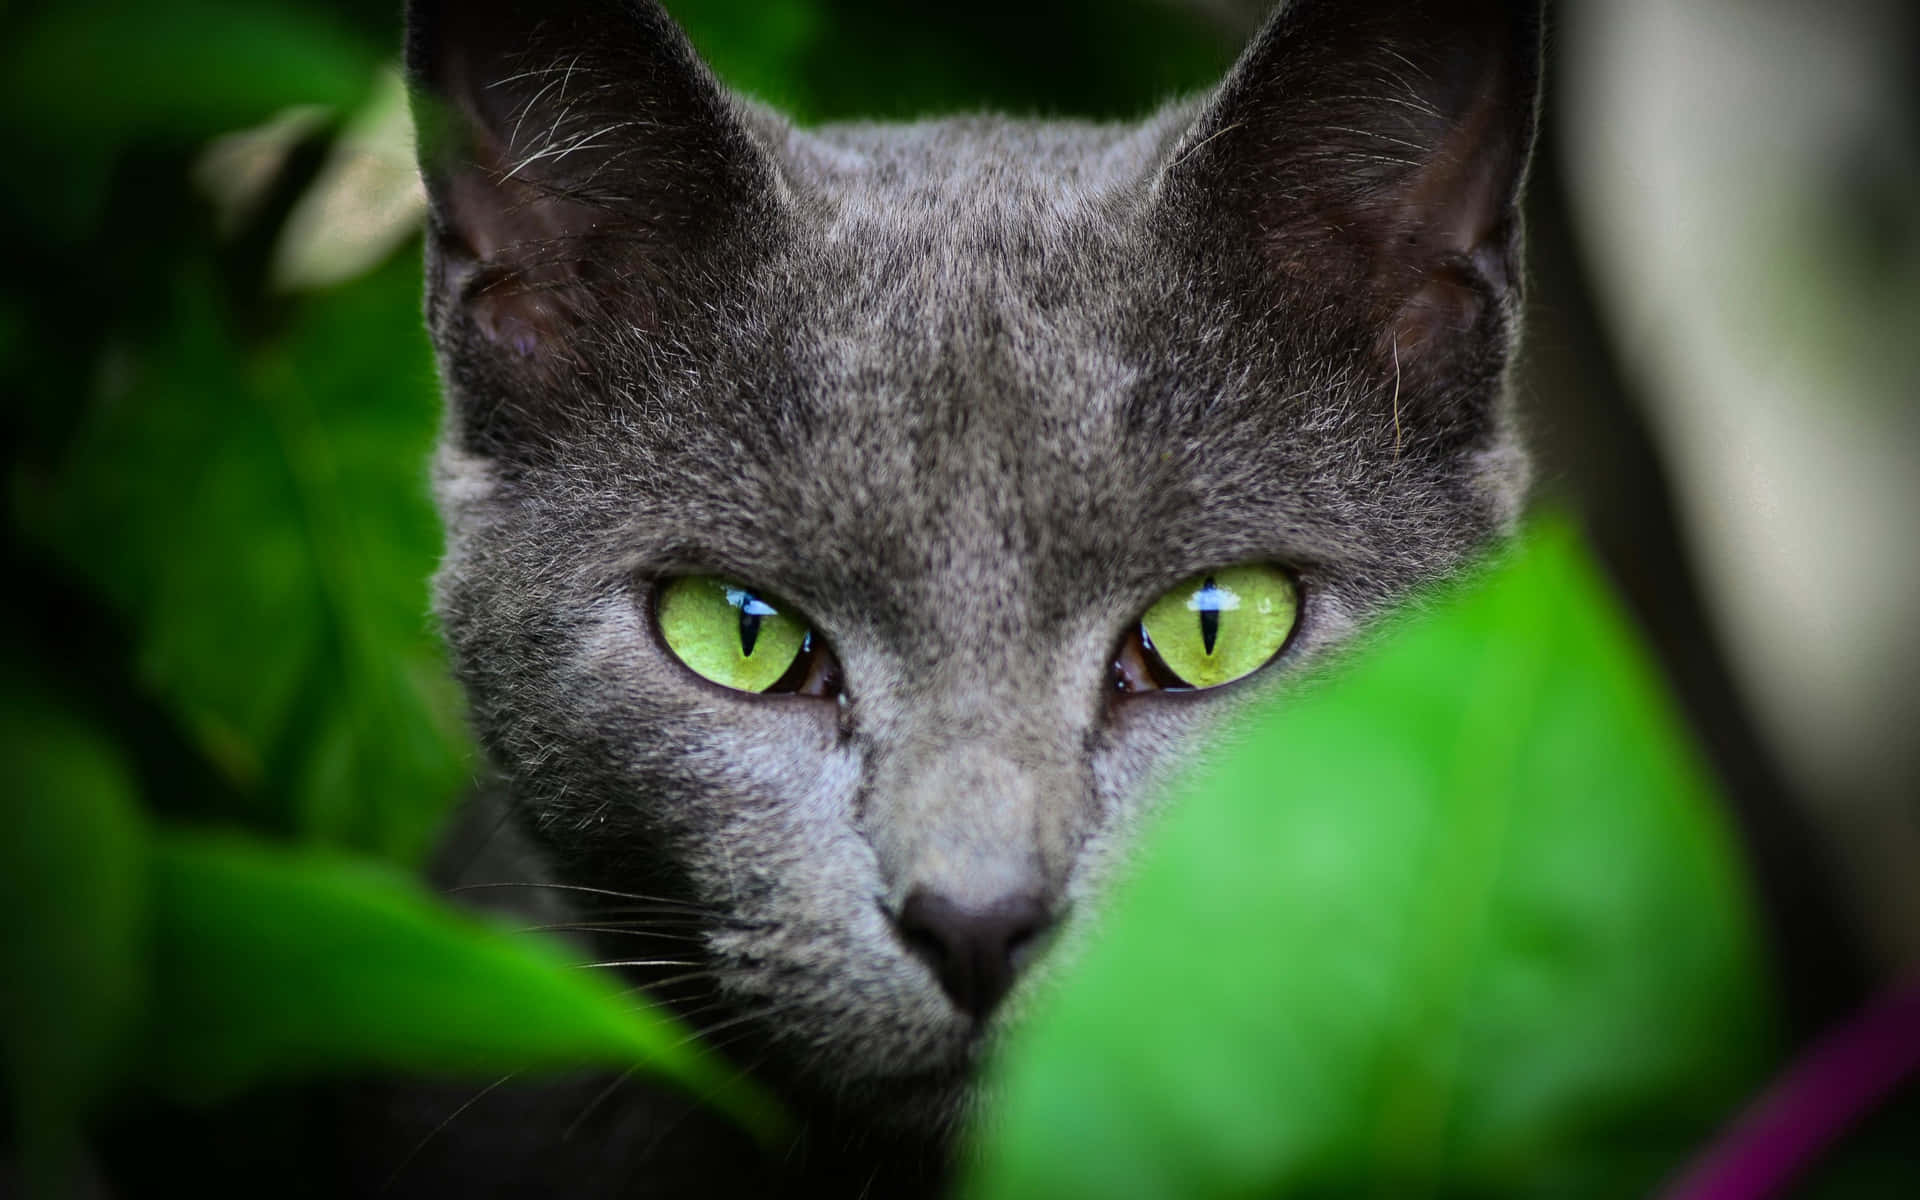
(1220, 626)
(735, 636)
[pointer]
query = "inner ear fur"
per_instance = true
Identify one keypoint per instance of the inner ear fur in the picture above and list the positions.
(580, 162)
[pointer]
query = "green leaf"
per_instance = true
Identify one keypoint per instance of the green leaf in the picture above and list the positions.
(101, 72)
(823, 60)
(1464, 921)
(258, 514)
(73, 866)
(272, 964)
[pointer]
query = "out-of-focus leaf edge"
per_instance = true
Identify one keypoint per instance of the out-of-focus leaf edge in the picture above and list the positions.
(273, 964)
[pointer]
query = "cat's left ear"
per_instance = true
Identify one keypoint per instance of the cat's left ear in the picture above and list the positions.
(1374, 149)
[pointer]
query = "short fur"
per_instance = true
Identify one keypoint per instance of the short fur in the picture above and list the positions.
(970, 394)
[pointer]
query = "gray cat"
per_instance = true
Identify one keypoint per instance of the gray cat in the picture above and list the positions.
(847, 525)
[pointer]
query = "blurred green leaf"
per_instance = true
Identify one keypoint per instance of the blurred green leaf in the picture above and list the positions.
(73, 865)
(89, 86)
(109, 71)
(1464, 922)
(275, 964)
(826, 60)
(755, 46)
(258, 513)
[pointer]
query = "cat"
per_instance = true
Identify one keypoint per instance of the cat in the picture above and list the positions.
(1021, 453)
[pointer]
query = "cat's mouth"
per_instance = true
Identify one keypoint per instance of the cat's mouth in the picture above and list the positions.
(903, 1061)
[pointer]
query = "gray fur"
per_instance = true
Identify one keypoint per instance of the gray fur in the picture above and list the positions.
(970, 394)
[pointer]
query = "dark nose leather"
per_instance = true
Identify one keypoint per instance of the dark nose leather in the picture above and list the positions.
(974, 952)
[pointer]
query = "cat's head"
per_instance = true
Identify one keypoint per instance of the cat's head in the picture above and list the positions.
(932, 415)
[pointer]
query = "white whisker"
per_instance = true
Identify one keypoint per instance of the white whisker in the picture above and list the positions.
(453, 1116)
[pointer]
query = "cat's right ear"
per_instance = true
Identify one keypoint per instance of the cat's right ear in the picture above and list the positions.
(584, 170)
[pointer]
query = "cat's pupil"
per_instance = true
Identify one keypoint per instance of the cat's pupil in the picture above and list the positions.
(752, 610)
(1208, 602)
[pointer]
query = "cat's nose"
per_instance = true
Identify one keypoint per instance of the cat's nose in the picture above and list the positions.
(975, 952)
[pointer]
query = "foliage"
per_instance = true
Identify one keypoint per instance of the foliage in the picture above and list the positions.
(73, 970)
(192, 966)
(1463, 921)
(270, 531)
(269, 964)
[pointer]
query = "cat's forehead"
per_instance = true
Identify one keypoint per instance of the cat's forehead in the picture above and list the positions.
(1009, 319)
(975, 423)
(975, 233)
(951, 420)
(971, 170)
(945, 310)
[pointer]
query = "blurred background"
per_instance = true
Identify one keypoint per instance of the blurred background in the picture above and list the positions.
(220, 398)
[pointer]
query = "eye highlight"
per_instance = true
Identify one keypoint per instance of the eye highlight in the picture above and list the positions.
(1213, 628)
(742, 639)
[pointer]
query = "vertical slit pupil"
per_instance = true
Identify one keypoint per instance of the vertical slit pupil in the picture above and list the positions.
(752, 610)
(1209, 601)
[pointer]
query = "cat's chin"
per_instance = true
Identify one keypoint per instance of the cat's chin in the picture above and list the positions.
(924, 1102)
(930, 1109)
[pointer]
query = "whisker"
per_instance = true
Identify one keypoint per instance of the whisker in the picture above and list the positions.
(752, 1068)
(640, 962)
(667, 1128)
(604, 1095)
(637, 931)
(577, 887)
(481, 847)
(652, 910)
(738, 1036)
(743, 1018)
(713, 921)
(662, 909)
(688, 1016)
(698, 1034)
(668, 922)
(437, 1130)
(671, 980)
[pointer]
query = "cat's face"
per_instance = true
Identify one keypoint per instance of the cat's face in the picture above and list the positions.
(966, 398)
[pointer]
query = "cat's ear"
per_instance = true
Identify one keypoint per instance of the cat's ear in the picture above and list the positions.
(578, 158)
(1374, 147)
